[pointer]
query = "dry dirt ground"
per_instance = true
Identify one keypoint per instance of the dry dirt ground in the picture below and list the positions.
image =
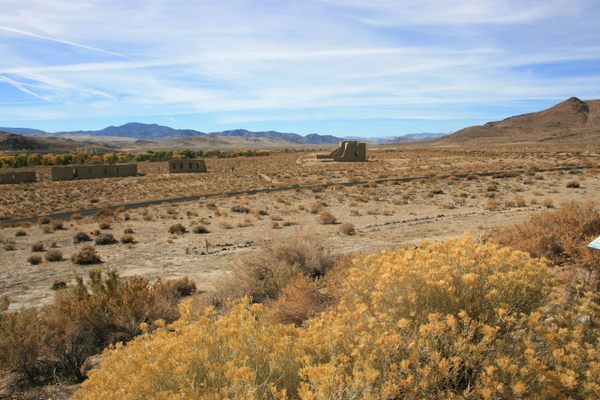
(384, 215)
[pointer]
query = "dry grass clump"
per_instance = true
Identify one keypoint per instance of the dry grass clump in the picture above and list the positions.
(326, 218)
(177, 229)
(183, 286)
(10, 246)
(573, 184)
(86, 255)
(81, 237)
(20, 233)
(105, 224)
(225, 225)
(57, 225)
(457, 319)
(34, 259)
(53, 255)
(240, 209)
(38, 247)
(128, 239)
(105, 239)
(200, 229)
(44, 220)
(128, 231)
(347, 229)
(262, 275)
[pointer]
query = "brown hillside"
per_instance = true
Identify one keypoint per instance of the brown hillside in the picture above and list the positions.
(10, 142)
(571, 121)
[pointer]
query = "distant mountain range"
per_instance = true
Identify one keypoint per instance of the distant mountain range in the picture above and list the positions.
(154, 135)
(154, 132)
(571, 122)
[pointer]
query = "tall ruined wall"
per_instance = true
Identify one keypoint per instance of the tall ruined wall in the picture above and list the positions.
(350, 151)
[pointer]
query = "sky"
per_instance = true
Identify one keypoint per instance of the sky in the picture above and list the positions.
(342, 67)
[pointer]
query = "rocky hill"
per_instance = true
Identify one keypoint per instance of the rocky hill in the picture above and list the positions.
(570, 122)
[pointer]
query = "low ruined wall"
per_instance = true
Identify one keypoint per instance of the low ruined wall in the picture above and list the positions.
(123, 170)
(93, 171)
(186, 165)
(16, 176)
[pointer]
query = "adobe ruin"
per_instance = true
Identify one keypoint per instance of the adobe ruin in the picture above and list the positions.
(346, 151)
(69, 172)
(8, 176)
(186, 165)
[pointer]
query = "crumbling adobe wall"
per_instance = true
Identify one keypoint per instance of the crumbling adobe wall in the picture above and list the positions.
(63, 173)
(186, 165)
(347, 151)
(66, 173)
(16, 176)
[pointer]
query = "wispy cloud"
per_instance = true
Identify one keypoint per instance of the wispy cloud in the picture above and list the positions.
(56, 40)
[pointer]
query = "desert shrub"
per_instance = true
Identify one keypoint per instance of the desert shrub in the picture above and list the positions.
(298, 301)
(106, 224)
(23, 345)
(238, 356)
(20, 233)
(57, 224)
(263, 274)
(37, 247)
(457, 319)
(59, 285)
(87, 317)
(127, 239)
(314, 208)
(240, 209)
(104, 213)
(347, 229)
(573, 184)
(559, 235)
(44, 220)
(200, 229)
(86, 255)
(34, 259)
(225, 225)
(183, 286)
(105, 239)
(128, 231)
(80, 237)
(53, 255)
(10, 246)
(326, 218)
(177, 229)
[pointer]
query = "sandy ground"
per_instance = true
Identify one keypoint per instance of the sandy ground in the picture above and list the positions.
(384, 216)
(281, 169)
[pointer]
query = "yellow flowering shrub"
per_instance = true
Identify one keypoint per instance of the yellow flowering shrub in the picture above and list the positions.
(457, 319)
(237, 356)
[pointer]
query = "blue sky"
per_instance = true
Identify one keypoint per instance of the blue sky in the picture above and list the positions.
(342, 67)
